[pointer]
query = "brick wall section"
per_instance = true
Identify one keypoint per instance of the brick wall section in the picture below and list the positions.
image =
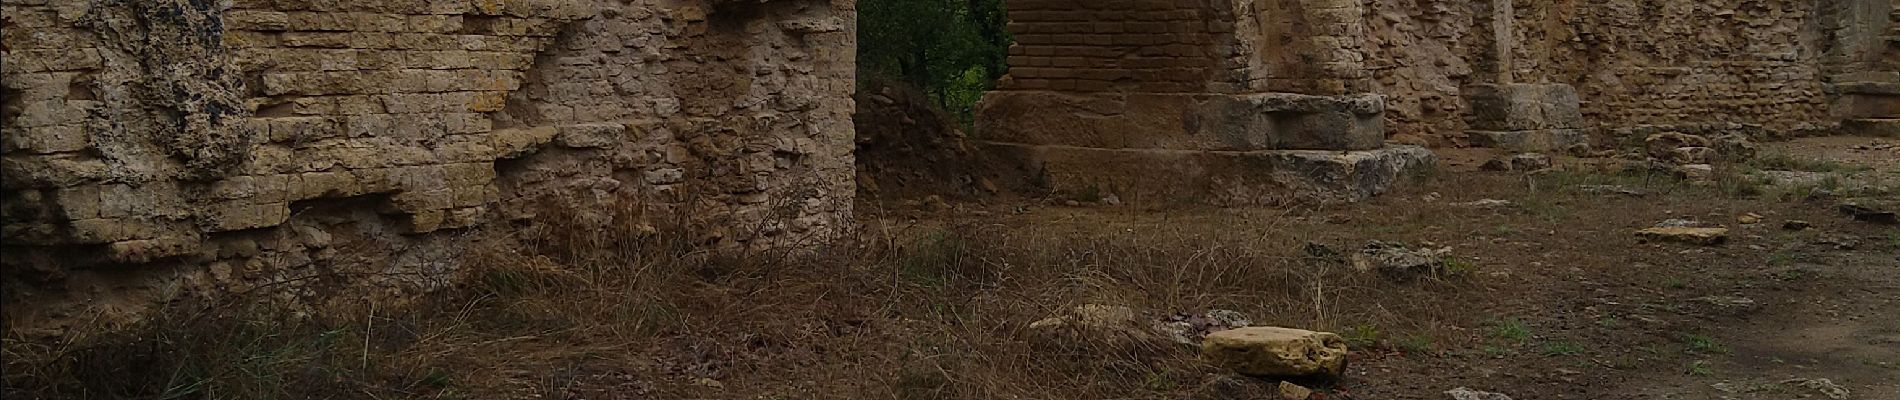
(180, 133)
(1157, 46)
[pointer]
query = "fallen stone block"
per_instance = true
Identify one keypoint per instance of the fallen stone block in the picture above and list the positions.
(1699, 236)
(1278, 352)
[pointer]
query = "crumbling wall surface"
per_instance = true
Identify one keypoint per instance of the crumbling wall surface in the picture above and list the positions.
(1633, 62)
(159, 147)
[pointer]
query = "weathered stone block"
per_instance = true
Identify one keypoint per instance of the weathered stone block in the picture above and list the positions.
(1524, 107)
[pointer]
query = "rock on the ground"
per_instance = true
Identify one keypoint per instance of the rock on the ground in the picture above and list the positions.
(1748, 218)
(1496, 165)
(1531, 162)
(1191, 329)
(1396, 260)
(1867, 213)
(1695, 172)
(1823, 385)
(1612, 189)
(1797, 225)
(1486, 203)
(1701, 236)
(1291, 391)
(1468, 394)
(1273, 351)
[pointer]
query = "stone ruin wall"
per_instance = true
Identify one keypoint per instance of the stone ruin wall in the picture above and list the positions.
(1767, 63)
(157, 148)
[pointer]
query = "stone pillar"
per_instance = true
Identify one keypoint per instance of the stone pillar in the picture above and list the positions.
(1503, 38)
(1519, 116)
(1224, 102)
(1868, 88)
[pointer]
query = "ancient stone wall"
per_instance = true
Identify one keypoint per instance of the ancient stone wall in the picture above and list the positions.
(211, 145)
(1155, 46)
(1632, 62)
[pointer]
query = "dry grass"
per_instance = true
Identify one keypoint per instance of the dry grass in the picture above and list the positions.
(626, 311)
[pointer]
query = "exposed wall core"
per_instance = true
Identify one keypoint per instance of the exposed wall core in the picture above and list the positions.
(211, 146)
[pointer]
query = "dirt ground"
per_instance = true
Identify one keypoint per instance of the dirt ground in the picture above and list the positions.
(1547, 294)
(1567, 303)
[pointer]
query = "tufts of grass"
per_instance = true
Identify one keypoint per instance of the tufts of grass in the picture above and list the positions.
(1511, 329)
(1700, 368)
(1561, 349)
(1703, 344)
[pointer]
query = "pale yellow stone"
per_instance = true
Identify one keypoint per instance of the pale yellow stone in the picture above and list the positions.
(1271, 351)
(1701, 236)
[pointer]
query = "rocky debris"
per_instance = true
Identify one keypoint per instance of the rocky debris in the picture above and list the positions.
(1398, 261)
(1468, 394)
(1866, 213)
(1612, 189)
(1190, 329)
(1823, 385)
(1276, 352)
(1531, 162)
(1749, 218)
(1686, 149)
(1695, 172)
(1797, 225)
(1698, 236)
(1291, 391)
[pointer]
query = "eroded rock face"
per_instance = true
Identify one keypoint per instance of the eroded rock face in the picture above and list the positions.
(1278, 352)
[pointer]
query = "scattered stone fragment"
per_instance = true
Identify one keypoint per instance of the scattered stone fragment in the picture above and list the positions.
(1699, 236)
(1486, 203)
(1531, 162)
(1468, 394)
(1278, 352)
(1797, 225)
(1398, 261)
(1679, 223)
(1663, 145)
(1823, 385)
(1290, 391)
(1748, 218)
(1865, 213)
(1612, 189)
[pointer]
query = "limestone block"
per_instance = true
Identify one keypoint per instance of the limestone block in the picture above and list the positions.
(108, 230)
(226, 217)
(597, 136)
(1521, 107)
(1280, 352)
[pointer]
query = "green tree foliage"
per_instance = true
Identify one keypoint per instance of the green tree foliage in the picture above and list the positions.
(953, 49)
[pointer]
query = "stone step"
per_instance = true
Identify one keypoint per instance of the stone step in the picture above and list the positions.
(1876, 127)
(1548, 140)
(1154, 177)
